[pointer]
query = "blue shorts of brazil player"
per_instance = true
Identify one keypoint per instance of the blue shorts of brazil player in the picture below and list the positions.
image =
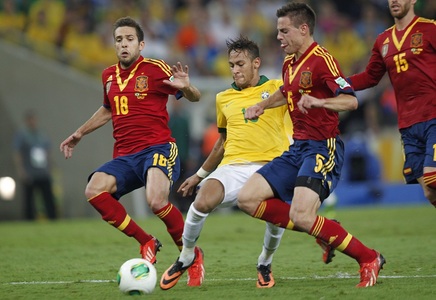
(419, 144)
(130, 170)
(314, 164)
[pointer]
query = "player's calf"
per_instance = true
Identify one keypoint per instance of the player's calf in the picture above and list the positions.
(429, 179)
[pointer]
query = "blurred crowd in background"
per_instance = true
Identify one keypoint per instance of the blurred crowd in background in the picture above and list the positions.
(78, 33)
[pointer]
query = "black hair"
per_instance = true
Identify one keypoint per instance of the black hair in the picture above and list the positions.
(129, 22)
(299, 13)
(243, 44)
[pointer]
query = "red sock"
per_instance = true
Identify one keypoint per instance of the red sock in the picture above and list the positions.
(274, 211)
(173, 219)
(335, 235)
(115, 214)
(430, 179)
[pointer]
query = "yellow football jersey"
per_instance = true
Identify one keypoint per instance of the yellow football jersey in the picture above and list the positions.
(252, 140)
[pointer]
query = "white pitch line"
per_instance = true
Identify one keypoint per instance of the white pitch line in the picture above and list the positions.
(339, 276)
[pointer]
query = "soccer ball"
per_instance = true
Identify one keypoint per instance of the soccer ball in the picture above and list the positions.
(137, 276)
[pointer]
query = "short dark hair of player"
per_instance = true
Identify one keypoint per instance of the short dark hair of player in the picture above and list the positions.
(299, 13)
(129, 22)
(243, 44)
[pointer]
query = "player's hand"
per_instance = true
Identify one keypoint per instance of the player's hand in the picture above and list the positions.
(188, 186)
(68, 145)
(253, 112)
(180, 78)
(307, 102)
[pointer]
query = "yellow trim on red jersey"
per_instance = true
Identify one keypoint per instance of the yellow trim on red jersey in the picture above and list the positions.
(161, 64)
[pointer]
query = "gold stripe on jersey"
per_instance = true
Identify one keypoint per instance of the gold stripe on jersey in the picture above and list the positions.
(160, 62)
(292, 73)
(425, 20)
(399, 44)
(163, 65)
(328, 58)
(122, 84)
(289, 57)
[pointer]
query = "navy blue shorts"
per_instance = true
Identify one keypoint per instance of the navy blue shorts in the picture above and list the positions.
(130, 170)
(419, 146)
(322, 160)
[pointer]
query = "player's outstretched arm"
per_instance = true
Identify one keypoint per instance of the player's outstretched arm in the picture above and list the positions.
(212, 161)
(342, 102)
(180, 80)
(98, 119)
(188, 186)
(69, 143)
(255, 111)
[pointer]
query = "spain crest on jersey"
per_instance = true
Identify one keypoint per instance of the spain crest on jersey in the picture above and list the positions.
(141, 84)
(416, 40)
(306, 79)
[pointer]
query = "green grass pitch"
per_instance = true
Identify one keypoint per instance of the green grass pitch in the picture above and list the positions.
(79, 259)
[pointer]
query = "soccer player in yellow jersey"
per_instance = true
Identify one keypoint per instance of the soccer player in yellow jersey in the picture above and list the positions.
(235, 157)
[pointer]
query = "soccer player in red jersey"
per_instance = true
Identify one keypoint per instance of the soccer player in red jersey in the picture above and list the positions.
(407, 51)
(136, 92)
(315, 91)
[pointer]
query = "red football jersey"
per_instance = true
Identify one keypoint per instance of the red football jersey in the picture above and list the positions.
(138, 98)
(315, 73)
(409, 56)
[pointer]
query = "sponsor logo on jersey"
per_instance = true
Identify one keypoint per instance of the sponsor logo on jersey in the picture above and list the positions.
(140, 96)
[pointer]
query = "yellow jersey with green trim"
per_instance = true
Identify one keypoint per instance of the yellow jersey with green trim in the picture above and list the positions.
(252, 140)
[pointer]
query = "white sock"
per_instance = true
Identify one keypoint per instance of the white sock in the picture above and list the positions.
(193, 225)
(271, 242)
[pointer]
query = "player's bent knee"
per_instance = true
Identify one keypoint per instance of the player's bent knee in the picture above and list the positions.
(429, 187)
(430, 194)
(156, 204)
(243, 205)
(247, 201)
(204, 207)
(302, 219)
(91, 191)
